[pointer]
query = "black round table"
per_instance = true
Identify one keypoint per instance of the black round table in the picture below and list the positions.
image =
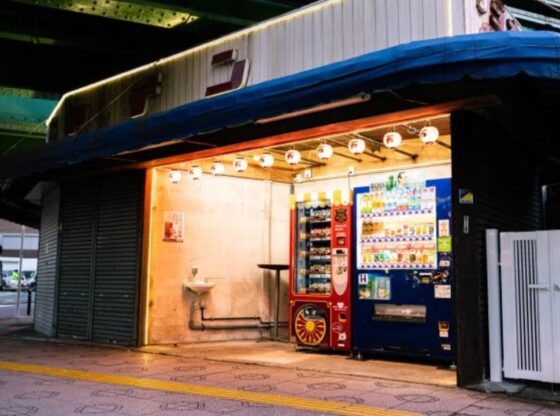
(278, 268)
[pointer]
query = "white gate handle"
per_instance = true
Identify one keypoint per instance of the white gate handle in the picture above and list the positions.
(540, 287)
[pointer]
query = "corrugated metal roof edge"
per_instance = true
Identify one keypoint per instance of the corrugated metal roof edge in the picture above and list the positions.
(438, 61)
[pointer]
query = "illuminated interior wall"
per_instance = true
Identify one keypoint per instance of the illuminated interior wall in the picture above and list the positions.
(231, 225)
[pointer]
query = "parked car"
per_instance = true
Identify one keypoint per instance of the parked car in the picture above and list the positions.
(28, 280)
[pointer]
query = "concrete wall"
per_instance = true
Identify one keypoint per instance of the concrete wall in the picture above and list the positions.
(231, 225)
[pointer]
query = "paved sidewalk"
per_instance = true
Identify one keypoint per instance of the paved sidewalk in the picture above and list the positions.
(282, 354)
(23, 394)
(11, 326)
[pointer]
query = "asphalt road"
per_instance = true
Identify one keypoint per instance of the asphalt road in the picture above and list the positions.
(8, 300)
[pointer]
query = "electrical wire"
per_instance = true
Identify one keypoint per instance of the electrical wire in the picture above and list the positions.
(110, 103)
(550, 6)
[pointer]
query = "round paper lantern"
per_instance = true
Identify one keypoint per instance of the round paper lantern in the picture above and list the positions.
(392, 139)
(429, 134)
(217, 168)
(356, 146)
(266, 160)
(240, 164)
(175, 176)
(324, 151)
(292, 156)
(195, 172)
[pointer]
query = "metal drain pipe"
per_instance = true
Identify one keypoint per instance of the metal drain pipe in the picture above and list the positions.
(202, 327)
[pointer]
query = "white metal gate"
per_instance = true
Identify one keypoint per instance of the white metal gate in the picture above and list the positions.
(530, 292)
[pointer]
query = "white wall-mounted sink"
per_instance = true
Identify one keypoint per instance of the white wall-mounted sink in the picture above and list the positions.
(199, 286)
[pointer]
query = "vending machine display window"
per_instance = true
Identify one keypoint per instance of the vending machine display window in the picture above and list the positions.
(313, 248)
(397, 228)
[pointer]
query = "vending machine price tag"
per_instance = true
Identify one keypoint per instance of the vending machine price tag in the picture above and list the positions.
(442, 291)
(443, 228)
(444, 245)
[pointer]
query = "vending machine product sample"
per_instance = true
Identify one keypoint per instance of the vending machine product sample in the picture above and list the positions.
(402, 297)
(320, 271)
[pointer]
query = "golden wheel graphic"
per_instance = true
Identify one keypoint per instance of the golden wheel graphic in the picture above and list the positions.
(310, 326)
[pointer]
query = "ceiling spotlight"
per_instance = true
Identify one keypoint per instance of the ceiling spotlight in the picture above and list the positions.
(195, 172)
(266, 160)
(240, 164)
(392, 139)
(298, 178)
(217, 168)
(356, 146)
(324, 151)
(175, 176)
(292, 156)
(429, 134)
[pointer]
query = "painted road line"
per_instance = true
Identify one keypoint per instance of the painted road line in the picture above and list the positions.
(294, 402)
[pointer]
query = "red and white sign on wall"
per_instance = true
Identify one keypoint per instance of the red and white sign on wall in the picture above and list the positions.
(239, 73)
(498, 17)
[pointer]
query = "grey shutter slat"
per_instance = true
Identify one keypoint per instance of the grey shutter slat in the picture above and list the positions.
(46, 264)
(99, 268)
(117, 262)
(78, 210)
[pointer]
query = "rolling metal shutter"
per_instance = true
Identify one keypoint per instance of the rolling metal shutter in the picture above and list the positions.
(77, 247)
(117, 261)
(46, 264)
(100, 259)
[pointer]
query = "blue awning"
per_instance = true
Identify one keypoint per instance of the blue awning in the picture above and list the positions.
(480, 56)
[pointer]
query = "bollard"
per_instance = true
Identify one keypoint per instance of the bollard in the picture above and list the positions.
(28, 301)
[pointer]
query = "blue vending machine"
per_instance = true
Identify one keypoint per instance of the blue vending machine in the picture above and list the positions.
(403, 289)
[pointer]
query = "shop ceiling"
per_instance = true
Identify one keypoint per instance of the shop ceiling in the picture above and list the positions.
(342, 162)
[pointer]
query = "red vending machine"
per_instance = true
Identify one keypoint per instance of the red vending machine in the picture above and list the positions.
(320, 263)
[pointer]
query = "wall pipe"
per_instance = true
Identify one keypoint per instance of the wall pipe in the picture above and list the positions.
(202, 327)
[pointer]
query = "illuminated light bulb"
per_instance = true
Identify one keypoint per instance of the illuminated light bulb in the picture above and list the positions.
(217, 168)
(324, 151)
(175, 176)
(356, 146)
(240, 164)
(298, 178)
(195, 172)
(293, 157)
(392, 139)
(266, 160)
(429, 134)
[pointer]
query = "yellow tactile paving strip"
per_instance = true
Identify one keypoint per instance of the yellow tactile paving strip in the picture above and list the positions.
(300, 403)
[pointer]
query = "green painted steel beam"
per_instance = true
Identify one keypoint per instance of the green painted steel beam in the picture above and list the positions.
(22, 118)
(218, 11)
(121, 10)
(24, 109)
